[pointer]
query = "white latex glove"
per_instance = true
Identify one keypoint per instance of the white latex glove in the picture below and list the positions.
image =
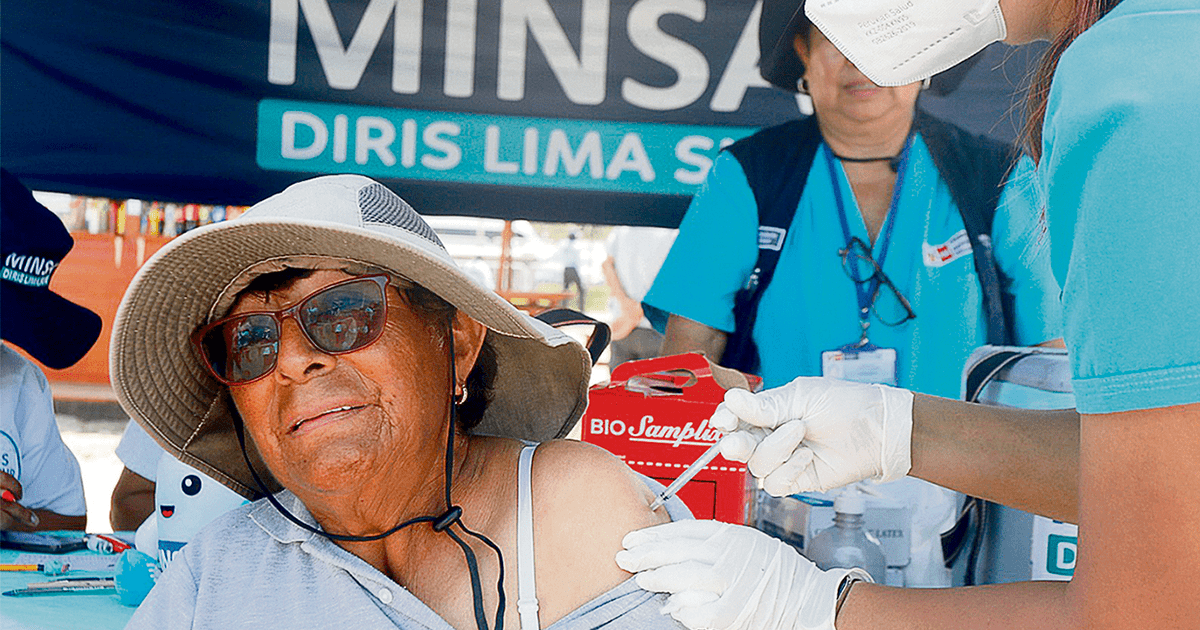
(816, 434)
(730, 577)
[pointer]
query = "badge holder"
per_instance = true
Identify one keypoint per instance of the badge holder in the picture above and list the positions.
(864, 362)
(861, 362)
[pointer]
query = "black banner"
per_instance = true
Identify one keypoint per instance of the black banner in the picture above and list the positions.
(595, 111)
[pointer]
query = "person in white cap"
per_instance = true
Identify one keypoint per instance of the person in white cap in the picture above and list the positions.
(324, 355)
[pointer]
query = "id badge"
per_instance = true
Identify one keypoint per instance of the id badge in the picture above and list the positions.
(861, 364)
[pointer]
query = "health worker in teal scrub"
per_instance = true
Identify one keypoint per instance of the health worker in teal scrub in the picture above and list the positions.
(880, 275)
(895, 252)
(1114, 122)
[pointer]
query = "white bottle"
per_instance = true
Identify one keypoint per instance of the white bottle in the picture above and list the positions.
(847, 545)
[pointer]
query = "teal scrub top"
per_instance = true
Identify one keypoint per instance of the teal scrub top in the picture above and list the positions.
(1120, 172)
(811, 306)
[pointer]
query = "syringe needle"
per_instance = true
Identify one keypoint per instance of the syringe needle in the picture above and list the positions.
(687, 475)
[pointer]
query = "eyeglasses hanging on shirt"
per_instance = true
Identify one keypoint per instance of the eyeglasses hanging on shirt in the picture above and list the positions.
(890, 307)
(863, 361)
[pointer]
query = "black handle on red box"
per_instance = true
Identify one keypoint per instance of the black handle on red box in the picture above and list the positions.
(597, 341)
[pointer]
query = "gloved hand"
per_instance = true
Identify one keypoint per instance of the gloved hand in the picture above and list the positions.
(730, 577)
(816, 434)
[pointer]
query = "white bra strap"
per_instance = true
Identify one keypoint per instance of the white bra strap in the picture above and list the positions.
(527, 603)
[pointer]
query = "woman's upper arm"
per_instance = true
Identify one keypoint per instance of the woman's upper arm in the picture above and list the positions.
(584, 502)
(589, 488)
(1121, 165)
(1138, 544)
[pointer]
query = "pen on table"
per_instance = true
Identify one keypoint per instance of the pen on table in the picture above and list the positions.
(29, 567)
(687, 475)
(59, 583)
(83, 585)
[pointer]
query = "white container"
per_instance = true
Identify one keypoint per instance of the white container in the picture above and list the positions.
(848, 544)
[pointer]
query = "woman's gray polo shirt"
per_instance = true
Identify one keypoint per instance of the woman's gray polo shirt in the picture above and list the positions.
(252, 568)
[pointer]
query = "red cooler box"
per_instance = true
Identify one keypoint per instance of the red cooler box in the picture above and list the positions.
(654, 415)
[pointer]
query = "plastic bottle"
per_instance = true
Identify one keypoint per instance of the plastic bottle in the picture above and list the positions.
(847, 544)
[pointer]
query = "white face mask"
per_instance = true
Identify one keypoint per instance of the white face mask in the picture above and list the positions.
(897, 42)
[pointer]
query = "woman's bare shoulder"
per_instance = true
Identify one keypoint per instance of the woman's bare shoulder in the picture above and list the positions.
(585, 500)
(581, 477)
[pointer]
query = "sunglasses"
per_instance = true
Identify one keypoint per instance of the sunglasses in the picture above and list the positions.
(337, 319)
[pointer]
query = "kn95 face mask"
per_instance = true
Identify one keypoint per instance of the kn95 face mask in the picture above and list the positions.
(897, 42)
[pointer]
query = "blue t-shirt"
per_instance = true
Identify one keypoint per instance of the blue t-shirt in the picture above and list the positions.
(811, 305)
(1121, 174)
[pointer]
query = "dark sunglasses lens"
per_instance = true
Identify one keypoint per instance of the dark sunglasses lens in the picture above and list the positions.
(242, 349)
(344, 318)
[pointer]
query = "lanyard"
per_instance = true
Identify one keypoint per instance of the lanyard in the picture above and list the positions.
(866, 294)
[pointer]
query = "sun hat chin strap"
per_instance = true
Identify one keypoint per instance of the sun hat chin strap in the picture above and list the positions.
(443, 523)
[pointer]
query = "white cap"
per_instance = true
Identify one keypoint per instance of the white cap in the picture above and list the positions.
(850, 501)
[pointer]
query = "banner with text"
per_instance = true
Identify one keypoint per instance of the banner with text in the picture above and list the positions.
(602, 111)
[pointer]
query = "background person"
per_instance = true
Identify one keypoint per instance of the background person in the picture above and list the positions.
(388, 409)
(875, 247)
(1118, 164)
(634, 256)
(36, 467)
(570, 257)
(133, 495)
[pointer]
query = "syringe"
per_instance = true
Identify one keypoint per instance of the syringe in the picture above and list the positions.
(687, 475)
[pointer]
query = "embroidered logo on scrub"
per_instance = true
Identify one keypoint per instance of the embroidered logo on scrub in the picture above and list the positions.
(771, 237)
(941, 255)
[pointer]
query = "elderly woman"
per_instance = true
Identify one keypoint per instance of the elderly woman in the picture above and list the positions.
(324, 351)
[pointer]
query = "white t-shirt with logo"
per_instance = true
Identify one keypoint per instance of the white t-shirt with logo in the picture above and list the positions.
(31, 448)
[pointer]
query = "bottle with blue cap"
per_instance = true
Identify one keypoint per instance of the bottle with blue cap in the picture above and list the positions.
(847, 544)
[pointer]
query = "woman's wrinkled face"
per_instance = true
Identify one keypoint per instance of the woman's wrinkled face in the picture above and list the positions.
(325, 423)
(840, 90)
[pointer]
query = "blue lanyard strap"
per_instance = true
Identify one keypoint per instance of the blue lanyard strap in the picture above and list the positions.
(867, 294)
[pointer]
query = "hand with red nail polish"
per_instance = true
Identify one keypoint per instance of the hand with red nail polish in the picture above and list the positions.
(13, 515)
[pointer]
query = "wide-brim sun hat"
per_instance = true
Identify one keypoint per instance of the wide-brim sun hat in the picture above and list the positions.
(339, 221)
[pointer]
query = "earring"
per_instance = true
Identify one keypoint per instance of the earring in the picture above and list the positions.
(462, 396)
(926, 83)
(802, 86)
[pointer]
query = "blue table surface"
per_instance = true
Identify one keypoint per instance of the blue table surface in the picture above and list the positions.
(66, 611)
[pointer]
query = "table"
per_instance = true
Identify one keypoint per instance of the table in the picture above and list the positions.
(67, 611)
